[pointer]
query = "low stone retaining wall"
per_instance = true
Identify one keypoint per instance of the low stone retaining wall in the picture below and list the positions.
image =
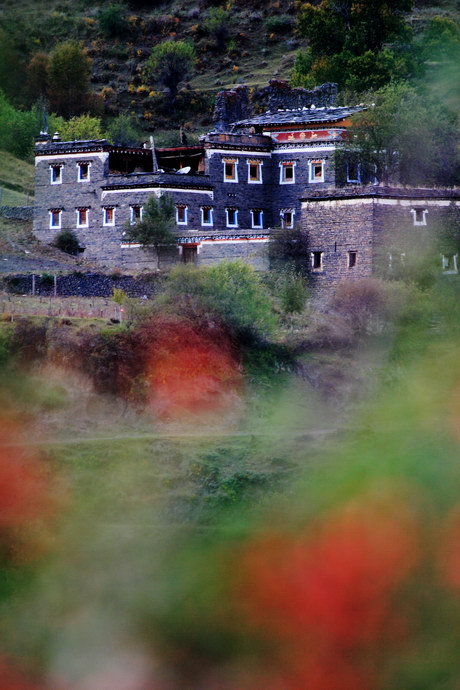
(82, 285)
(17, 212)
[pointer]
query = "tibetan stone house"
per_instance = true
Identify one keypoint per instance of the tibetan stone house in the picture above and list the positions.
(250, 174)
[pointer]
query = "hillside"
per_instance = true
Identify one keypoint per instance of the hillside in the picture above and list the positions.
(16, 181)
(261, 42)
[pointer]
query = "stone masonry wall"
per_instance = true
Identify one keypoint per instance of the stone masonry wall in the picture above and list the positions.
(17, 212)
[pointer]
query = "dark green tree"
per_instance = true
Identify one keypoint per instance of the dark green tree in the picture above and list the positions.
(407, 136)
(171, 63)
(67, 242)
(112, 20)
(156, 229)
(68, 74)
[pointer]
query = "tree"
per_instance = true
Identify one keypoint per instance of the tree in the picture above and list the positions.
(81, 127)
(124, 131)
(406, 136)
(217, 24)
(37, 78)
(11, 68)
(171, 63)
(69, 72)
(112, 20)
(155, 230)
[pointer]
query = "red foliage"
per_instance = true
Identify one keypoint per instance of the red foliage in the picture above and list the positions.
(13, 679)
(191, 369)
(325, 598)
(449, 560)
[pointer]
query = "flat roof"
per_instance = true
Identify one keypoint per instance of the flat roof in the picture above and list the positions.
(302, 116)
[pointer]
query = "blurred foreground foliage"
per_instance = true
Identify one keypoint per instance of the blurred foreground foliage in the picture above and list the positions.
(246, 558)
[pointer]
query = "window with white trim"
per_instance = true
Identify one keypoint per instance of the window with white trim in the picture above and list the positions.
(136, 213)
(317, 261)
(56, 174)
(257, 218)
(230, 169)
(419, 215)
(317, 171)
(83, 172)
(449, 263)
(352, 259)
(206, 215)
(55, 218)
(181, 214)
(254, 172)
(82, 217)
(353, 172)
(287, 218)
(231, 217)
(108, 215)
(287, 172)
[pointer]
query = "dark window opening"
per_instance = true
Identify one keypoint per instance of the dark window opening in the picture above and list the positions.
(317, 260)
(83, 171)
(352, 257)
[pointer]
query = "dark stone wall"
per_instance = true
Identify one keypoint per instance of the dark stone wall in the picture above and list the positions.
(17, 212)
(231, 105)
(83, 285)
(280, 95)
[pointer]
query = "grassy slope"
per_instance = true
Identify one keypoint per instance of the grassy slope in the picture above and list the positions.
(16, 181)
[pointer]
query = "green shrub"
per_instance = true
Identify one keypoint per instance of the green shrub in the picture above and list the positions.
(67, 242)
(278, 25)
(112, 20)
(81, 127)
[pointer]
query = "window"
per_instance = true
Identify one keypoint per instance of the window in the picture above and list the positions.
(56, 174)
(255, 172)
(257, 218)
(419, 215)
(83, 172)
(232, 217)
(449, 263)
(230, 169)
(316, 171)
(189, 253)
(206, 215)
(287, 218)
(135, 214)
(317, 261)
(55, 218)
(353, 172)
(181, 214)
(108, 215)
(287, 172)
(82, 217)
(352, 257)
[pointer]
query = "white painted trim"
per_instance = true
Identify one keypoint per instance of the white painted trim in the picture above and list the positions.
(228, 225)
(207, 225)
(303, 149)
(156, 192)
(292, 212)
(79, 167)
(232, 180)
(55, 167)
(414, 215)
(445, 263)
(82, 225)
(182, 222)
(66, 156)
(253, 226)
(236, 152)
(132, 219)
(311, 178)
(55, 227)
(261, 180)
(112, 222)
(211, 241)
(283, 166)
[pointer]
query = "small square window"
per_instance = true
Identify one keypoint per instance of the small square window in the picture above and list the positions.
(317, 261)
(83, 172)
(419, 215)
(109, 216)
(136, 214)
(257, 218)
(254, 171)
(230, 170)
(56, 174)
(287, 173)
(55, 218)
(352, 258)
(232, 217)
(206, 216)
(317, 171)
(449, 263)
(82, 217)
(287, 219)
(181, 215)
